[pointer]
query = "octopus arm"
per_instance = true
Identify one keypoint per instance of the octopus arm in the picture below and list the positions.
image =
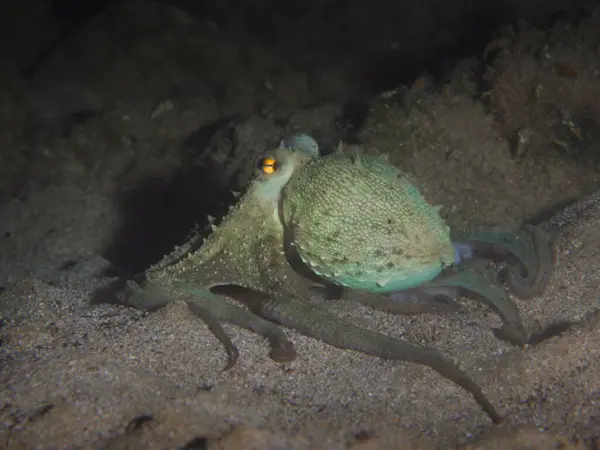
(213, 309)
(311, 320)
(532, 281)
(409, 302)
(476, 281)
(528, 251)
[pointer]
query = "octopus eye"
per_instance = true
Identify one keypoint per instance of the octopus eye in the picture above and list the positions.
(267, 165)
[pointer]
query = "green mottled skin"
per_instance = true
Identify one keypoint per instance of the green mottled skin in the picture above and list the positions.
(338, 220)
(359, 222)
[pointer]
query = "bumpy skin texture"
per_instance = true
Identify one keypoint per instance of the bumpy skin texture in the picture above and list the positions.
(252, 257)
(360, 223)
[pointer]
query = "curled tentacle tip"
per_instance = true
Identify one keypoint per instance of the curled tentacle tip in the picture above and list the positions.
(527, 282)
(232, 358)
(498, 420)
(284, 353)
(497, 417)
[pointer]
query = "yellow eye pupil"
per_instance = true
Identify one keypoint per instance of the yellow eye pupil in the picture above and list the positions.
(269, 165)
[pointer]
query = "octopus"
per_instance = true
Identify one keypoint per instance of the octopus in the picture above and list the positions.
(351, 227)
